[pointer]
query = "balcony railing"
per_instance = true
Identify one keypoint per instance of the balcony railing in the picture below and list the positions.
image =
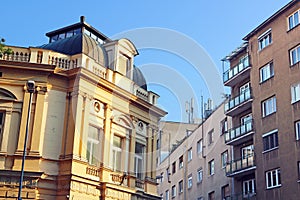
(238, 100)
(139, 183)
(231, 73)
(240, 165)
(249, 196)
(238, 132)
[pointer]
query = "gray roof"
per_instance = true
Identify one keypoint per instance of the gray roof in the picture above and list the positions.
(80, 43)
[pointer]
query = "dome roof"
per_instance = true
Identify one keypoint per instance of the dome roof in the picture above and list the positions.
(139, 78)
(80, 43)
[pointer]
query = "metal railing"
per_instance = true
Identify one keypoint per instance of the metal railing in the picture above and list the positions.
(236, 101)
(234, 71)
(238, 131)
(240, 164)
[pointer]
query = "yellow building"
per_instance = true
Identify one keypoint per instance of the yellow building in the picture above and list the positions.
(93, 123)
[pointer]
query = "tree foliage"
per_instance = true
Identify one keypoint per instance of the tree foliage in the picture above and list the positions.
(3, 49)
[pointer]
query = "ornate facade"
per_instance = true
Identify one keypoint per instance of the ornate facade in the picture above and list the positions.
(93, 123)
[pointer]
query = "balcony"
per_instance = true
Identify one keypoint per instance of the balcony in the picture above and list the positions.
(237, 73)
(239, 103)
(239, 135)
(139, 183)
(241, 167)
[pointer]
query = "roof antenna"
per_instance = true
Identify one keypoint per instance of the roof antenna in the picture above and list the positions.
(82, 19)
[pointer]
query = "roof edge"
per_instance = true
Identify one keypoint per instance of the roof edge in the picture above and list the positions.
(284, 8)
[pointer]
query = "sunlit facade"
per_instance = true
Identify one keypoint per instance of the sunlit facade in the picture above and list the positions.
(93, 123)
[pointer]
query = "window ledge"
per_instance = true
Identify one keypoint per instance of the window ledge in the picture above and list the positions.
(290, 29)
(273, 187)
(296, 101)
(298, 181)
(266, 151)
(267, 80)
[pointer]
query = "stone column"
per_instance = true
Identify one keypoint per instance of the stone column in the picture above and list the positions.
(154, 136)
(23, 122)
(107, 136)
(37, 133)
(132, 153)
(149, 151)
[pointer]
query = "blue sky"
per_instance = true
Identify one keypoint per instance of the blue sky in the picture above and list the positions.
(215, 26)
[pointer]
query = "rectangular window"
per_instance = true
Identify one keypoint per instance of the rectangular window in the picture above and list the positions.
(199, 175)
(268, 106)
(225, 192)
(210, 137)
(264, 40)
(224, 126)
(224, 159)
(174, 167)
(247, 151)
(248, 188)
(199, 146)
(211, 196)
(93, 150)
(117, 153)
(167, 195)
(180, 162)
(294, 19)
(139, 160)
(211, 167)
(297, 130)
(190, 181)
(273, 178)
(270, 140)
(295, 92)
(295, 55)
(190, 154)
(180, 186)
(266, 72)
(174, 191)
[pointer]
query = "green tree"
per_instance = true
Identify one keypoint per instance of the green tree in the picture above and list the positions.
(3, 49)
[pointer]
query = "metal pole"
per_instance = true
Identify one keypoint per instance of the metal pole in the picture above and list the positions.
(25, 145)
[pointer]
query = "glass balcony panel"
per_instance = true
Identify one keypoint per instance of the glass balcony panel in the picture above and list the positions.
(236, 101)
(241, 164)
(236, 69)
(234, 133)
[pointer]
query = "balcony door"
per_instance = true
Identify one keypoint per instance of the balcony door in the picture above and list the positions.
(244, 88)
(247, 151)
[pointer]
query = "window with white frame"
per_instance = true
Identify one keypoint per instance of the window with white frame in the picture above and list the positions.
(199, 146)
(190, 181)
(270, 140)
(268, 106)
(293, 20)
(180, 186)
(295, 55)
(224, 159)
(167, 195)
(117, 153)
(1, 126)
(266, 72)
(199, 175)
(297, 130)
(93, 149)
(244, 88)
(139, 161)
(247, 151)
(190, 154)
(211, 167)
(248, 188)
(295, 92)
(265, 40)
(174, 191)
(273, 178)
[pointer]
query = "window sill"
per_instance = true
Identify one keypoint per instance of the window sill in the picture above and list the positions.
(295, 64)
(260, 50)
(298, 181)
(273, 187)
(270, 114)
(266, 151)
(264, 81)
(296, 101)
(290, 29)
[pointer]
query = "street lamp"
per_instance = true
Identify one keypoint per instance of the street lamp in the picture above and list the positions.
(30, 87)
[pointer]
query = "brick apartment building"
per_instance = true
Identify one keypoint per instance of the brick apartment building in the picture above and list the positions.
(264, 78)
